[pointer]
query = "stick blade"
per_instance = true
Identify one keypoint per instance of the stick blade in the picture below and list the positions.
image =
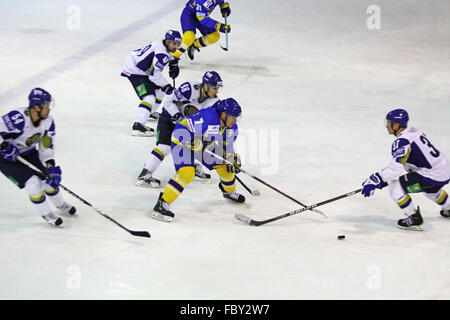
(246, 220)
(144, 234)
(226, 49)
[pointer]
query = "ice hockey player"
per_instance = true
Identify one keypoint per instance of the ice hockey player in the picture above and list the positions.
(21, 131)
(428, 171)
(143, 69)
(188, 99)
(213, 128)
(196, 16)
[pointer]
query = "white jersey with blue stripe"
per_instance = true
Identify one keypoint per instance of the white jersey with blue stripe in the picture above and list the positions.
(188, 93)
(148, 61)
(16, 127)
(413, 151)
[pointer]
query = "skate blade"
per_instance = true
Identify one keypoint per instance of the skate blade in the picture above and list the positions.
(55, 223)
(136, 133)
(156, 215)
(143, 184)
(412, 228)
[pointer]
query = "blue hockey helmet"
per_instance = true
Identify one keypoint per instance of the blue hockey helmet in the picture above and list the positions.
(173, 35)
(230, 107)
(398, 115)
(212, 78)
(39, 96)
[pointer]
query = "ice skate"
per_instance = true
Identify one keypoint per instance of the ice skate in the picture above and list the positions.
(234, 196)
(146, 180)
(161, 210)
(412, 222)
(191, 50)
(445, 213)
(67, 208)
(52, 219)
(139, 130)
(200, 175)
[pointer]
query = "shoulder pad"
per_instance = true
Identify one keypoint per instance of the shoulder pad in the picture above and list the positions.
(14, 120)
(398, 147)
(161, 60)
(186, 90)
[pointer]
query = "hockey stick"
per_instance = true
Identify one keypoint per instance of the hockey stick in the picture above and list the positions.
(226, 38)
(265, 183)
(244, 219)
(253, 192)
(144, 234)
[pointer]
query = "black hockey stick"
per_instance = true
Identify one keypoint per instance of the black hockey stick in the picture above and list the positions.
(265, 183)
(253, 192)
(42, 175)
(244, 219)
(226, 38)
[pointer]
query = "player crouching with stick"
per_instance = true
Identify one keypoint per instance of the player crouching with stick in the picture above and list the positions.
(217, 127)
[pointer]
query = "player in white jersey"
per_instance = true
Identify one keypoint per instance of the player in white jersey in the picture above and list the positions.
(428, 170)
(21, 131)
(188, 99)
(143, 68)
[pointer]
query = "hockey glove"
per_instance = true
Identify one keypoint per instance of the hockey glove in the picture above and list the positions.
(177, 117)
(53, 176)
(9, 151)
(370, 184)
(225, 9)
(174, 71)
(168, 89)
(235, 159)
(223, 27)
(195, 145)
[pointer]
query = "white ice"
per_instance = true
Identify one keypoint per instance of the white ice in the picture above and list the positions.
(315, 84)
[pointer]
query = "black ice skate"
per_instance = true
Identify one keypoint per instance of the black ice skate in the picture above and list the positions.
(67, 208)
(52, 219)
(200, 175)
(445, 213)
(234, 196)
(191, 50)
(154, 116)
(146, 180)
(161, 210)
(412, 222)
(139, 130)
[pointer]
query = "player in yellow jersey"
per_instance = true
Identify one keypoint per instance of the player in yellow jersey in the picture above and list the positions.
(196, 16)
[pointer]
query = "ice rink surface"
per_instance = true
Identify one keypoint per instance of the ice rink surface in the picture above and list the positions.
(315, 84)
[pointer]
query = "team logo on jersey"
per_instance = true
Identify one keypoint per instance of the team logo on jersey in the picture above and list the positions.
(415, 188)
(213, 129)
(31, 140)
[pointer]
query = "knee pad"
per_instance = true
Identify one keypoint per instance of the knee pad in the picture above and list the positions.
(35, 189)
(213, 37)
(162, 149)
(185, 175)
(396, 190)
(149, 100)
(188, 38)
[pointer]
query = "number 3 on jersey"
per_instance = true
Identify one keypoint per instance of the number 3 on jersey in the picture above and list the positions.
(435, 153)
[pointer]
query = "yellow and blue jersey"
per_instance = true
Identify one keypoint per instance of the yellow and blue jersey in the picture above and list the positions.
(202, 9)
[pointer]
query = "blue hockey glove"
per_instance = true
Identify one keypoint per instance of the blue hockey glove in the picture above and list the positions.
(370, 184)
(225, 9)
(174, 71)
(168, 89)
(223, 27)
(9, 152)
(53, 176)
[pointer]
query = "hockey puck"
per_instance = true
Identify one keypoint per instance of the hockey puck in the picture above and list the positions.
(341, 237)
